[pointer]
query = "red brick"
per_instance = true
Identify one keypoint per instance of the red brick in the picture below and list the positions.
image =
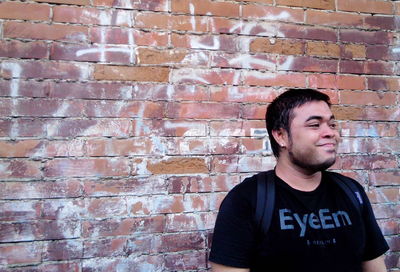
(132, 262)
(46, 70)
(27, 253)
(378, 52)
(127, 226)
(348, 113)
(23, 50)
(205, 76)
(40, 189)
(70, 33)
(165, 128)
(68, 2)
(62, 250)
(64, 148)
(384, 177)
(12, 10)
(243, 94)
(323, 49)
(368, 6)
(186, 261)
(131, 73)
(277, 46)
(180, 242)
(165, 57)
(379, 68)
(368, 162)
(89, 16)
(364, 37)
(307, 32)
(202, 111)
(367, 98)
(106, 207)
(306, 64)
(322, 81)
(63, 209)
(389, 227)
(170, 92)
(195, 184)
(201, 7)
(273, 13)
(353, 51)
(178, 166)
(351, 82)
(87, 167)
(253, 112)
(383, 83)
(17, 169)
(383, 195)
(120, 147)
(106, 248)
(274, 80)
(227, 43)
(108, 35)
(380, 22)
(244, 61)
(158, 5)
(234, 128)
(124, 109)
(352, 67)
(175, 22)
(337, 19)
(324, 4)
(365, 129)
(382, 114)
(92, 53)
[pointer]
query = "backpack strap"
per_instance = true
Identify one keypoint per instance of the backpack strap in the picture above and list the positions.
(350, 189)
(265, 200)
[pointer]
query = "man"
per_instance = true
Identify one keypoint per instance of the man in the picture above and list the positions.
(314, 227)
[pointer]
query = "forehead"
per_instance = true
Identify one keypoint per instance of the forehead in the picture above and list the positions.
(313, 108)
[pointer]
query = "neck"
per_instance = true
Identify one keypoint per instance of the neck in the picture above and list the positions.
(297, 177)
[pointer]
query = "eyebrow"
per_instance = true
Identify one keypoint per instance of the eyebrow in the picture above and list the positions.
(317, 117)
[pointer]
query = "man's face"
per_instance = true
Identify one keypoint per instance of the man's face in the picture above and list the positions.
(313, 139)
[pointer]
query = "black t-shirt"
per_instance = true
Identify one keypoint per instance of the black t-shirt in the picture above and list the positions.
(310, 231)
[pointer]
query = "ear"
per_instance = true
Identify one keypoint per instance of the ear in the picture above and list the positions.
(281, 137)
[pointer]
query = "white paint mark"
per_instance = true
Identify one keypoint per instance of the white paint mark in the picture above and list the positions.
(15, 70)
(192, 17)
(396, 50)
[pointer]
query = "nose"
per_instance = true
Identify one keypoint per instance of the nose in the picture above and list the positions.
(329, 132)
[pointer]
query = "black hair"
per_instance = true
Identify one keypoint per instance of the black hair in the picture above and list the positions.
(280, 111)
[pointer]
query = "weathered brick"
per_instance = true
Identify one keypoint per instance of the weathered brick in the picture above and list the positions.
(178, 166)
(175, 22)
(68, 2)
(380, 22)
(120, 54)
(167, 57)
(252, 112)
(49, 108)
(87, 167)
(323, 49)
(273, 79)
(382, 114)
(126, 226)
(336, 19)
(201, 7)
(124, 109)
(23, 50)
(348, 113)
(353, 51)
(62, 250)
(159, 5)
(202, 111)
(88, 16)
(367, 98)
(105, 247)
(106, 207)
(23, 148)
(273, 13)
(40, 31)
(20, 168)
(180, 242)
(186, 261)
(244, 61)
(307, 32)
(27, 253)
(306, 64)
(243, 94)
(324, 4)
(40, 189)
(169, 128)
(44, 70)
(277, 46)
(368, 162)
(204, 76)
(132, 262)
(384, 177)
(364, 37)
(383, 83)
(351, 82)
(368, 6)
(131, 73)
(12, 10)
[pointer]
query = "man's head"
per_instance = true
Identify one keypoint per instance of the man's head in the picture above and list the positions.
(300, 122)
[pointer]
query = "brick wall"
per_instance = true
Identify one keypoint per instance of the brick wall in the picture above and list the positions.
(124, 123)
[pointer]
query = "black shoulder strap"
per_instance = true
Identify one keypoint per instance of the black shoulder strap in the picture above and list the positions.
(351, 190)
(265, 199)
